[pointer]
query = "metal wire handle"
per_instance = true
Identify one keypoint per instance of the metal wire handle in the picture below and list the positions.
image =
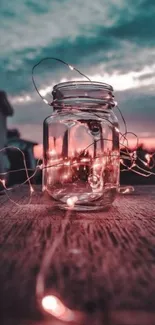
(61, 61)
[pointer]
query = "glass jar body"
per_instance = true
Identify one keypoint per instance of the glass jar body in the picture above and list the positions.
(81, 156)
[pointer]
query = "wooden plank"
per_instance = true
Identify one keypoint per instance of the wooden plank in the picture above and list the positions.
(113, 254)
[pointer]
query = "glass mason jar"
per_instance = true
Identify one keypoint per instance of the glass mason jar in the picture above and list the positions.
(81, 146)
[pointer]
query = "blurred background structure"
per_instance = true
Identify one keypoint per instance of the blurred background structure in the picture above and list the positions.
(10, 158)
(5, 111)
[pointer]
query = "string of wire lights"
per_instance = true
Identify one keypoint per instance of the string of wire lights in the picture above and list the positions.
(129, 160)
(123, 157)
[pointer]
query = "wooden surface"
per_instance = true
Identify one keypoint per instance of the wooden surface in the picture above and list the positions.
(113, 257)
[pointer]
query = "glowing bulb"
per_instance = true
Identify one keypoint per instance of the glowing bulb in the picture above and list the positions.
(70, 67)
(126, 190)
(71, 201)
(45, 101)
(52, 152)
(44, 188)
(116, 129)
(85, 160)
(3, 182)
(148, 157)
(31, 189)
(49, 302)
(145, 163)
(65, 176)
(135, 155)
(67, 163)
(55, 307)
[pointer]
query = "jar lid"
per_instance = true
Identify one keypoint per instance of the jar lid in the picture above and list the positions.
(83, 92)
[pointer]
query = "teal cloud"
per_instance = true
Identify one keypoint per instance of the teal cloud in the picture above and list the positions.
(96, 36)
(31, 30)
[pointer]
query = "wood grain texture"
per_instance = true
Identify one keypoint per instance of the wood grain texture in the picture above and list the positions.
(105, 260)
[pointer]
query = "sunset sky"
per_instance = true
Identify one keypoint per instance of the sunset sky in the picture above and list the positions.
(110, 41)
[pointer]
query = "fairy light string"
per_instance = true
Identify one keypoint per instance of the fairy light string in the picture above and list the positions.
(132, 157)
(58, 60)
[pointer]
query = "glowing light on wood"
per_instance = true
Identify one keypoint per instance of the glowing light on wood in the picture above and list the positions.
(55, 307)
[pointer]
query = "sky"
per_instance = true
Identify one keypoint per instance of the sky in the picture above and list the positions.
(110, 41)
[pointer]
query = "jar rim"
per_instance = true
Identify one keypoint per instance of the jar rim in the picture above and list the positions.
(93, 84)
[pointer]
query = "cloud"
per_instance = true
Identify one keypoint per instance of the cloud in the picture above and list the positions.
(139, 28)
(101, 33)
(109, 41)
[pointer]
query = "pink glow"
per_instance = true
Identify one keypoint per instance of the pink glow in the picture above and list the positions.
(148, 143)
(38, 151)
(55, 307)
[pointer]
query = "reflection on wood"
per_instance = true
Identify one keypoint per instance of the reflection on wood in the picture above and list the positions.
(117, 256)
